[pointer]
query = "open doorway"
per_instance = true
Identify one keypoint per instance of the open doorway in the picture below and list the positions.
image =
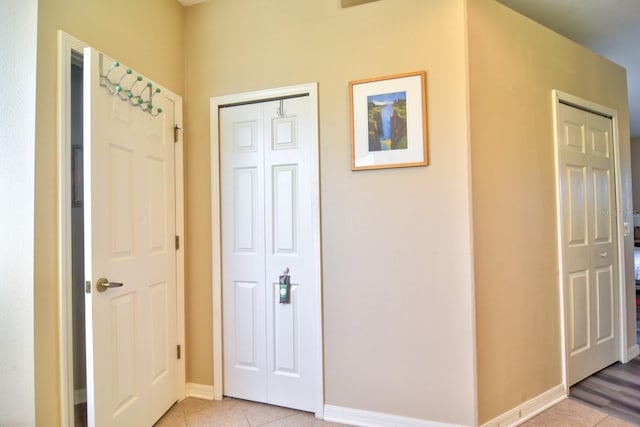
(71, 205)
(635, 184)
(77, 245)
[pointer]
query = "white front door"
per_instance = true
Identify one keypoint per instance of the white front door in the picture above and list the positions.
(268, 215)
(590, 258)
(129, 241)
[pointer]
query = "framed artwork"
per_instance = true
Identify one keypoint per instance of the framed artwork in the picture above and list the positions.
(389, 121)
(77, 191)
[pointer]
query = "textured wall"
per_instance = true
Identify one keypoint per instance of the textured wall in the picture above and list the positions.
(147, 36)
(18, 27)
(398, 330)
(514, 64)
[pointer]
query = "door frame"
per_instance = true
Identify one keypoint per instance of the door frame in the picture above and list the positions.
(216, 249)
(622, 225)
(67, 46)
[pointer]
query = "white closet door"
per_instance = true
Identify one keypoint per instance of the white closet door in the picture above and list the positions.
(589, 241)
(267, 221)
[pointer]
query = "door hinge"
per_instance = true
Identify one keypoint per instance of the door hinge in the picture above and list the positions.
(176, 129)
(178, 351)
(87, 286)
(177, 242)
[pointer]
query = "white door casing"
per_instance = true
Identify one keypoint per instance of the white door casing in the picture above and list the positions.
(130, 225)
(589, 244)
(269, 207)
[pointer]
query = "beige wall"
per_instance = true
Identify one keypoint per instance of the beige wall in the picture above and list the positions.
(18, 29)
(147, 35)
(513, 66)
(398, 300)
(398, 329)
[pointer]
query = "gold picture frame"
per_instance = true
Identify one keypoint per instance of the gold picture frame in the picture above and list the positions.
(389, 121)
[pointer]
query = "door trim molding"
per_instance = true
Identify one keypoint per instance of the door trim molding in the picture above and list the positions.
(67, 46)
(559, 97)
(216, 251)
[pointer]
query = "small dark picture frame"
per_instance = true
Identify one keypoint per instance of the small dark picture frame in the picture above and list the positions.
(77, 186)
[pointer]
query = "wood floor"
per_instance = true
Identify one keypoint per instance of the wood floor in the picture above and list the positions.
(614, 390)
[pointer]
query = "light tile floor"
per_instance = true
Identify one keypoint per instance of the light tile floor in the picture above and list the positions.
(235, 413)
(570, 413)
(239, 413)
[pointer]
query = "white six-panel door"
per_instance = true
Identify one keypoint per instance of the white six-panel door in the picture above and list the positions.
(129, 239)
(267, 227)
(590, 260)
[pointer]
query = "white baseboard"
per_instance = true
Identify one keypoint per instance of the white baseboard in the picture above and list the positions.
(358, 417)
(79, 396)
(632, 353)
(530, 408)
(200, 391)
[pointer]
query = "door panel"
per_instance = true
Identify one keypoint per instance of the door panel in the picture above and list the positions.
(602, 201)
(245, 193)
(604, 321)
(129, 234)
(576, 217)
(589, 242)
(247, 346)
(243, 273)
(123, 344)
(284, 200)
(579, 312)
(286, 339)
(289, 221)
(159, 298)
(266, 201)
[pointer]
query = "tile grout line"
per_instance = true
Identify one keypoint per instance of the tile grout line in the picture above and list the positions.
(274, 421)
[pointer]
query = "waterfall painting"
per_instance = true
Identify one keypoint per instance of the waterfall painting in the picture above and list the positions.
(389, 122)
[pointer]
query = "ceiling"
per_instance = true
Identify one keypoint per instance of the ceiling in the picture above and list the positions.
(610, 28)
